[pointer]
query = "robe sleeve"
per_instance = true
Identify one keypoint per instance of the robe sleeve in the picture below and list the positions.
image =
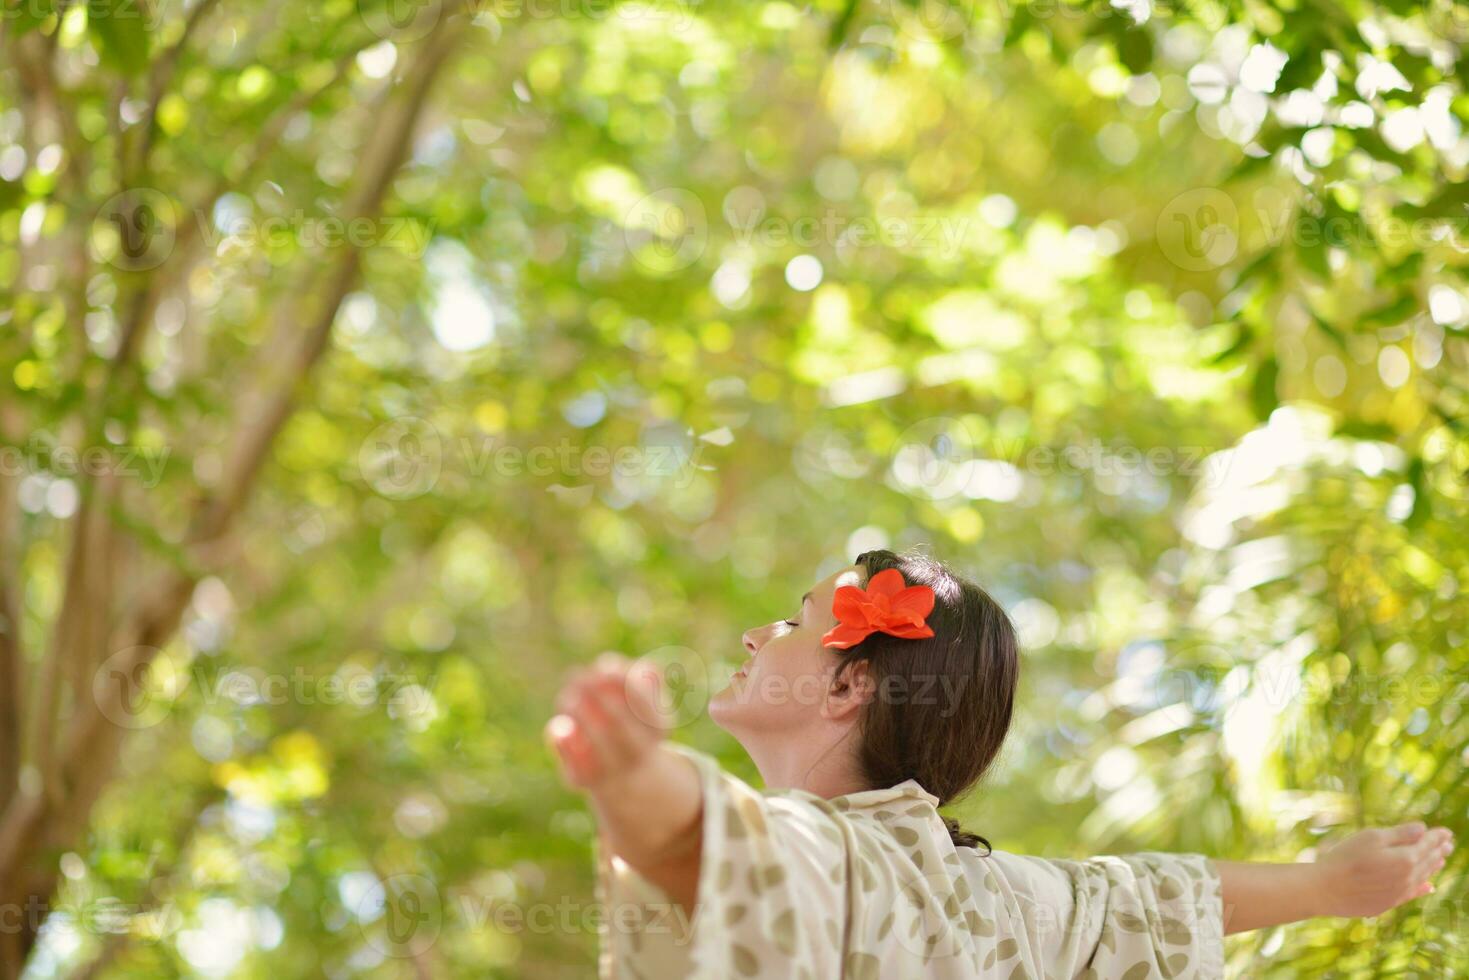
(1165, 914)
(771, 893)
(1133, 917)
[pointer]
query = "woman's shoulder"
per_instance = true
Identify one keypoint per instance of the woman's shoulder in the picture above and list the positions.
(900, 812)
(741, 809)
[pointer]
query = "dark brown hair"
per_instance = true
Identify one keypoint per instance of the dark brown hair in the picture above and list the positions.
(941, 705)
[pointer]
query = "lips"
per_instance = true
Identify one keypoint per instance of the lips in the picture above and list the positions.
(744, 669)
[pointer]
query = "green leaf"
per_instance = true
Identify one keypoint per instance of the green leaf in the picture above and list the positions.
(1313, 257)
(120, 30)
(1248, 166)
(1330, 329)
(11, 191)
(842, 24)
(28, 15)
(1362, 429)
(1422, 505)
(1263, 397)
(1020, 20)
(1392, 313)
(1405, 270)
(1452, 202)
(1241, 341)
(1135, 49)
(1301, 71)
(1262, 265)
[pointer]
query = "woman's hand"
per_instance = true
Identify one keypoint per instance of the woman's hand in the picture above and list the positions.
(1375, 870)
(608, 739)
(1363, 875)
(609, 722)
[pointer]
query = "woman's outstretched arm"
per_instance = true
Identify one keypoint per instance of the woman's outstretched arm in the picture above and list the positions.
(649, 805)
(647, 798)
(1364, 875)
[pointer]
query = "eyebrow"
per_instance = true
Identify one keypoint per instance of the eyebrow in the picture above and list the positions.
(805, 597)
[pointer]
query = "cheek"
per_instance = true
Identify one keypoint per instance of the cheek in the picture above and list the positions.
(784, 687)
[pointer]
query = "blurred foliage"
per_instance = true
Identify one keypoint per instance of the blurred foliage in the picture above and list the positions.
(1153, 319)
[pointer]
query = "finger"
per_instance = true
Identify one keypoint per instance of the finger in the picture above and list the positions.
(644, 689)
(1432, 843)
(622, 737)
(1425, 866)
(645, 679)
(1414, 893)
(591, 723)
(1430, 861)
(592, 720)
(558, 732)
(1407, 833)
(570, 688)
(573, 753)
(610, 661)
(599, 714)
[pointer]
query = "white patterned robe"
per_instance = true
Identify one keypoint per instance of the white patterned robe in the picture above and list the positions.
(869, 886)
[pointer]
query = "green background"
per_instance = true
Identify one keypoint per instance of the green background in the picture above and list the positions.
(426, 351)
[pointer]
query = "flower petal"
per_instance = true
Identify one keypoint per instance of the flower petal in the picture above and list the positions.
(910, 631)
(916, 600)
(887, 605)
(889, 581)
(844, 636)
(847, 604)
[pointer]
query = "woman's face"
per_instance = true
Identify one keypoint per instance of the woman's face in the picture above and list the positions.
(784, 683)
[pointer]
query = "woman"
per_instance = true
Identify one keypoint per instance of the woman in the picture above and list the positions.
(885, 696)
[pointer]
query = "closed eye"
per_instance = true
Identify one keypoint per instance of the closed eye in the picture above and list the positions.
(804, 599)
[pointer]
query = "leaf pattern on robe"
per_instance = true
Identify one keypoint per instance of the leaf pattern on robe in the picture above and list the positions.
(870, 885)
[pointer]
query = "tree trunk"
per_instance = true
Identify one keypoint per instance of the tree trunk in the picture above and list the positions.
(74, 740)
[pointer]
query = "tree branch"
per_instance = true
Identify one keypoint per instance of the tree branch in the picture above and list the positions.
(159, 79)
(381, 158)
(34, 824)
(12, 651)
(146, 300)
(86, 594)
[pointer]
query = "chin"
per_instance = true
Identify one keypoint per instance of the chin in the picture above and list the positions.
(723, 708)
(732, 709)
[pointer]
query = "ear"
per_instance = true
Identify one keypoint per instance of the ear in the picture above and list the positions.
(848, 692)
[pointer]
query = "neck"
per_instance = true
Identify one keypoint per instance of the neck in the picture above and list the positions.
(823, 766)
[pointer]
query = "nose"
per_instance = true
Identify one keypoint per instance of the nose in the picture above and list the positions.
(754, 639)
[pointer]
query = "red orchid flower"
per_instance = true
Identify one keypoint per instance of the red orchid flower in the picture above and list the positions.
(886, 606)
